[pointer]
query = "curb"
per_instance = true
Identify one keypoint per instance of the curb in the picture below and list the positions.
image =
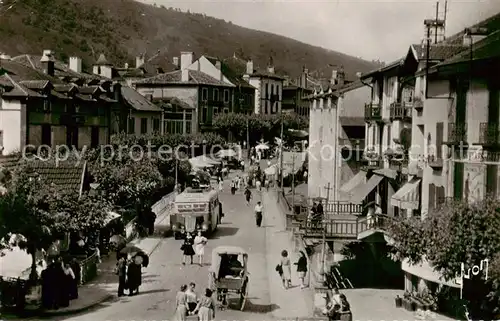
(102, 299)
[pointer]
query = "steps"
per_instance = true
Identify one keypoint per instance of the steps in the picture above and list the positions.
(335, 279)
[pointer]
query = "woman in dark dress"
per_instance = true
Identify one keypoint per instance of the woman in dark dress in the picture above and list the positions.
(302, 269)
(187, 248)
(134, 277)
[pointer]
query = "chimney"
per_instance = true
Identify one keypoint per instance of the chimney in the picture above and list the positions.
(186, 59)
(249, 67)
(185, 75)
(334, 79)
(270, 69)
(47, 62)
(75, 64)
(303, 78)
(341, 76)
(126, 65)
(217, 64)
(473, 35)
(358, 74)
(175, 61)
(139, 61)
(286, 81)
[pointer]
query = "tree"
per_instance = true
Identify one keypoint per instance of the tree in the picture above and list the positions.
(456, 233)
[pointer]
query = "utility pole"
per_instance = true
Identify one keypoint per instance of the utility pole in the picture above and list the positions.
(293, 183)
(176, 175)
(248, 140)
(323, 254)
(281, 152)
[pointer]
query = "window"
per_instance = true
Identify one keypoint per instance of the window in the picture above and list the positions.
(266, 91)
(131, 125)
(204, 94)
(226, 95)
(226, 110)
(94, 136)
(278, 93)
(156, 125)
(188, 127)
(1, 134)
(272, 91)
(204, 115)
(46, 135)
(144, 125)
(388, 136)
(439, 140)
(72, 136)
(265, 107)
(216, 110)
(216, 94)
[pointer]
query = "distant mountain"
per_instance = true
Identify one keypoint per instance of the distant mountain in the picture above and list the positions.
(123, 29)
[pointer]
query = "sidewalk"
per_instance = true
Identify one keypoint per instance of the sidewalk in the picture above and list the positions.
(294, 302)
(105, 285)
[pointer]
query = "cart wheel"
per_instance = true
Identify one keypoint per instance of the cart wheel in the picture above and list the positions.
(244, 295)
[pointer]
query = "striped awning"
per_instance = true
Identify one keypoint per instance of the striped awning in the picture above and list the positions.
(425, 271)
(359, 178)
(408, 196)
(361, 192)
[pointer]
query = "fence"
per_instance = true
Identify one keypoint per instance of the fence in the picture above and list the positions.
(346, 228)
(89, 268)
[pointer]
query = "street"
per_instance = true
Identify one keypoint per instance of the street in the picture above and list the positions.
(163, 278)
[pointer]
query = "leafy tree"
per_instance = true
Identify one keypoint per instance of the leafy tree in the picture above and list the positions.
(456, 233)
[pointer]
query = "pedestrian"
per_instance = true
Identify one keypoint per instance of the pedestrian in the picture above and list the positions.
(248, 195)
(233, 187)
(121, 270)
(258, 184)
(258, 214)
(206, 307)
(187, 248)
(221, 186)
(199, 244)
(71, 282)
(191, 298)
(61, 282)
(238, 183)
(266, 184)
(302, 269)
(181, 304)
(134, 276)
(286, 277)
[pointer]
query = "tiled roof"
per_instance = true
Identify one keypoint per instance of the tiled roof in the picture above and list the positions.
(19, 71)
(173, 101)
(19, 90)
(234, 69)
(61, 69)
(267, 74)
(35, 84)
(352, 121)
(437, 51)
(89, 90)
(59, 95)
(392, 65)
(350, 86)
(175, 77)
(5, 81)
(107, 99)
(138, 101)
(66, 175)
(65, 88)
(487, 48)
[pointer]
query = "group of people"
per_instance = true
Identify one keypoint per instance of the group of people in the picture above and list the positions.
(193, 246)
(284, 269)
(129, 272)
(317, 212)
(188, 303)
(338, 306)
(60, 282)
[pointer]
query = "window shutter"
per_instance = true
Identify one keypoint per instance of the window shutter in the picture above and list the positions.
(432, 196)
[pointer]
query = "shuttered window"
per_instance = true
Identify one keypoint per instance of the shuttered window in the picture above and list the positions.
(439, 140)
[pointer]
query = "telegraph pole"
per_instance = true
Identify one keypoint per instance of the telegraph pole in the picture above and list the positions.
(248, 140)
(293, 183)
(323, 254)
(281, 152)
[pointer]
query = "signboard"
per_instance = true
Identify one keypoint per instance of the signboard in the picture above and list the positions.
(191, 208)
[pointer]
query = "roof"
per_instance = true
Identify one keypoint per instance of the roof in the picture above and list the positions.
(437, 51)
(89, 90)
(173, 101)
(352, 121)
(35, 84)
(19, 71)
(175, 78)
(234, 68)
(102, 61)
(65, 175)
(486, 48)
(227, 249)
(138, 101)
(194, 197)
(18, 90)
(385, 68)
(267, 74)
(350, 86)
(60, 68)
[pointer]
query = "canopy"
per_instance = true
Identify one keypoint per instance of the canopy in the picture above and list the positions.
(229, 250)
(261, 146)
(110, 217)
(407, 197)
(362, 191)
(203, 161)
(271, 170)
(226, 153)
(298, 133)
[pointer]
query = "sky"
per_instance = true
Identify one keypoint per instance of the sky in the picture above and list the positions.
(369, 29)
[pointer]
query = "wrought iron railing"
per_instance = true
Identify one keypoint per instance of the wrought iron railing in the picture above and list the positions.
(343, 208)
(373, 111)
(334, 228)
(457, 133)
(489, 134)
(399, 111)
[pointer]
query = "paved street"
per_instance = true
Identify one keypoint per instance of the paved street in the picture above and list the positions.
(166, 274)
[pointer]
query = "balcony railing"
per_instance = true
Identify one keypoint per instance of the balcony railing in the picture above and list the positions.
(345, 228)
(399, 111)
(457, 133)
(350, 143)
(489, 134)
(416, 103)
(373, 112)
(435, 162)
(398, 164)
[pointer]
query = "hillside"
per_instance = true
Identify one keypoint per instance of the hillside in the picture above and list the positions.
(123, 29)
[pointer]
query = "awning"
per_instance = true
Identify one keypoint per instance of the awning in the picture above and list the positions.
(407, 197)
(110, 217)
(362, 191)
(387, 172)
(359, 178)
(425, 271)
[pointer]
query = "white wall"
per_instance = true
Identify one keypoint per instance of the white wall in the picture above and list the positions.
(205, 66)
(12, 125)
(258, 91)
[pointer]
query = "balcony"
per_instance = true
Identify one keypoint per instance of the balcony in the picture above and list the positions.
(400, 111)
(373, 112)
(72, 119)
(435, 162)
(457, 134)
(417, 103)
(489, 135)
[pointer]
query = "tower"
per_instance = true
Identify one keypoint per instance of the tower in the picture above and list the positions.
(435, 29)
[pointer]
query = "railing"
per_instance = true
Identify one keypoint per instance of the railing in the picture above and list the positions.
(373, 111)
(343, 208)
(457, 133)
(346, 228)
(89, 268)
(399, 111)
(435, 161)
(491, 157)
(351, 143)
(398, 164)
(489, 134)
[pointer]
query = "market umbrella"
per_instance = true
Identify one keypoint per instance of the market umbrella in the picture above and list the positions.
(298, 133)
(142, 258)
(262, 146)
(226, 153)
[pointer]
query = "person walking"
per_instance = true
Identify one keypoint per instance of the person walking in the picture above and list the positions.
(191, 297)
(134, 276)
(286, 276)
(248, 195)
(181, 310)
(206, 307)
(187, 248)
(199, 245)
(233, 186)
(302, 269)
(258, 184)
(221, 185)
(71, 282)
(121, 270)
(258, 214)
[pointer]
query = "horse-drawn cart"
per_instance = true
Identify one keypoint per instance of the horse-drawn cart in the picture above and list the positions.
(228, 274)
